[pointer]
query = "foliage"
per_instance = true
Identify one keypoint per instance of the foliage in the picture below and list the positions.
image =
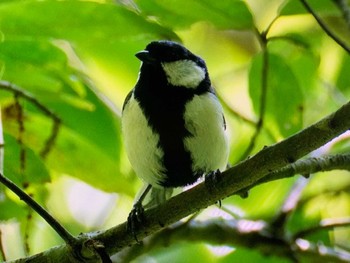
(70, 64)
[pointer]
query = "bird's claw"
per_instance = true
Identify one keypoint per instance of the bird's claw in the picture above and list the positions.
(135, 218)
(211, 180)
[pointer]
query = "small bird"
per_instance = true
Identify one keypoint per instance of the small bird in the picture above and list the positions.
(172, 122)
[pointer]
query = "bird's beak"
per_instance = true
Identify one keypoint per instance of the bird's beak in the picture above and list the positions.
(145, 56)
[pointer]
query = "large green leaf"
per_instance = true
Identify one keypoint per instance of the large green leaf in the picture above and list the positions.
(105, 35)
(343, 80)
(10, 209)
(225, 14)
(81, 21)
(34, 64)
(43, 69)
(34, 171)
(71, 154)
(284, 99)
(293, 7)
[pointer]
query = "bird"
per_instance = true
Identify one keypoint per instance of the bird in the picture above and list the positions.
(173, 126)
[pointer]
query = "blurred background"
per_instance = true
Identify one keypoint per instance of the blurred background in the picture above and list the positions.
(72, 63)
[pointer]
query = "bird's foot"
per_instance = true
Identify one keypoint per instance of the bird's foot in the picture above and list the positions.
(211, 180)
(135, 218)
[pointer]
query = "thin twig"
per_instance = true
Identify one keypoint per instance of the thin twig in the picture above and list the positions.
(51, 140)
(345, 9)
(2, 250)
(235, 113)
(260, 123)
(325, 224)
(320, 252)
(307, 166)
(13, 88)
(4, 85)
(61, 231)
(21, 130)
(325, 28)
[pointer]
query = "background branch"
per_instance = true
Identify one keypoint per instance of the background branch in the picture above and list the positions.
(323, 225)
(264, 84)
(345, 9)
(19, 92)
(321, 253)
(256, 235)
(325, 28)
(310, 165)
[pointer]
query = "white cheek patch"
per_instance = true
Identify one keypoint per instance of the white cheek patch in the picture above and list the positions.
(209, 145)
(141, 144)
(184, 73)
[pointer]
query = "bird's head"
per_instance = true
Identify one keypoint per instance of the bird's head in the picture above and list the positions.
(180, 66)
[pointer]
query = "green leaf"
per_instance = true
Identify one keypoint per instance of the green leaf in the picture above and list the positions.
(296, 49)
(324, 7)
(264, 200)
(192, 252)
(92, 119)
(226, 14)
(250, 255)
(10, 209)
(79, 21)
(79, 157)
(42, 69)
(35, 171)
(34, 64)
(284, 99)
(343, 80)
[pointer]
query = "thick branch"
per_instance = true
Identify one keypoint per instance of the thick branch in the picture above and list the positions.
(307, 166)
(232, 181)
(237, 233)
(241, 233)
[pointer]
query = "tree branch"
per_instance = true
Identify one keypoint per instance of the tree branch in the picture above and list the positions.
(325, 224)
(240, 177)
(250, 234)
(241, 233)
(321, 253)
(325, 28)
(310, 165)
(60, 230)
(345, 9)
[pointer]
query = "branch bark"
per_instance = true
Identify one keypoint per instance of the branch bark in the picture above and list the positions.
(255, 235)
(243, 176)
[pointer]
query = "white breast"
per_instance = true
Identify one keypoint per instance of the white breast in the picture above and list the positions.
(209, 144)
(141, 144)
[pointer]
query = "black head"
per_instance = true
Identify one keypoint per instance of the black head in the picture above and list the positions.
(167, 51)
(174, 63)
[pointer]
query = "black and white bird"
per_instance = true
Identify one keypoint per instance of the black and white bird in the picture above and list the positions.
(172, 122)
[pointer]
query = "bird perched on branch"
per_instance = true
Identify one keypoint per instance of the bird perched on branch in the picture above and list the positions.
(172, 122)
